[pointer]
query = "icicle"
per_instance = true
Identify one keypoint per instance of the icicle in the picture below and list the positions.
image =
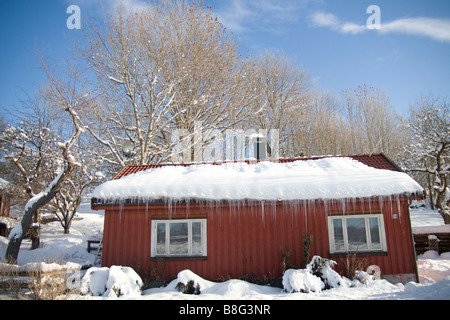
(354, 204)
(365, 205)
(343, 206)
(262, 214)
(169, 206)
(188, 203)
(312, 205)
(293, 211)
(121, 205)
(274, 211)
(399, 209)
(380, 200)
(392, 207)
(305, 207)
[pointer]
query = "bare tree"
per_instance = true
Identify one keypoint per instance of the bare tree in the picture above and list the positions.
(2, 122)
(360, 121)
(67, 200)
(42, 198)
(64, 97)
(282, 90)
(322, 129)
(160, 69)
(30, 147)
(373, 123)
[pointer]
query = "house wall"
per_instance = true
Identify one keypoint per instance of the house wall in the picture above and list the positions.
(245, 238)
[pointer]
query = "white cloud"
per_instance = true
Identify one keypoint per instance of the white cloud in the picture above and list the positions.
(235, 15)
(323, 19)
(435, 29)
(244, 15)
(353, 28)
(99, 7)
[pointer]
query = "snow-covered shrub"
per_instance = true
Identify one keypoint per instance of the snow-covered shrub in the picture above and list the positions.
(301, 281)
(190, 283)
(123, 281)
(364, 278)
(430, 254)
(189, 288)
(321, 268)
(111, 282)
(94, 281)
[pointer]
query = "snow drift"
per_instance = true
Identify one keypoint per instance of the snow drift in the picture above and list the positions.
(327, 178)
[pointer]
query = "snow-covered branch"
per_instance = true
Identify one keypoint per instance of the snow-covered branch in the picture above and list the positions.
(429, 150)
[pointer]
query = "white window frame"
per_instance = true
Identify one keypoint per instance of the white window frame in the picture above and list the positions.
(366, 217)
(167, 253)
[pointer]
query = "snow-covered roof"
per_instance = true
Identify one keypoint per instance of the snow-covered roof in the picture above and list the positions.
(326, 178)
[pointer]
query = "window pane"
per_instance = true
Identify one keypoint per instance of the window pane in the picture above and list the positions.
(356, 232)
(179, 238)
(338, 235)
(161, 238)
(196, 238)
(375, 234)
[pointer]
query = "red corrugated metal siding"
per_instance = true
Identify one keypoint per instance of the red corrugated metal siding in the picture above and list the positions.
(246, 238)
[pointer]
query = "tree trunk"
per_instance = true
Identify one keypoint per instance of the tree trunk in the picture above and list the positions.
(442, 207)
(67, 225)
(447, 219)
(31, 208)
(35, 232)
(35, 236)
(430, 191)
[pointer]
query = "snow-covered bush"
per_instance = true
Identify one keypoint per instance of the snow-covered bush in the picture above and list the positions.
(321, 268)
(430, 254)
(301, 281)
(123, 281)
(111, 282)
(189, 288)
(190, 283)
(317, 276)
(364, 278)
(94, 281)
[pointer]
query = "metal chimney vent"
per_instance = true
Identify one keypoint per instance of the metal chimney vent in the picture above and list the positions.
(259, 143)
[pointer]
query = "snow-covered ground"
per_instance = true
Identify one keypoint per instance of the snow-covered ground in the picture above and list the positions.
(434, 270)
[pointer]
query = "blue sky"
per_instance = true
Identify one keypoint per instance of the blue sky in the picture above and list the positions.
(407, 57)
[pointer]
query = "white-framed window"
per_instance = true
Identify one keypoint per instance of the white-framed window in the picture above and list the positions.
(357, 233)
(179, 238)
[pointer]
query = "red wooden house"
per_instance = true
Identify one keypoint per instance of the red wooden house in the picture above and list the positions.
(228, 220)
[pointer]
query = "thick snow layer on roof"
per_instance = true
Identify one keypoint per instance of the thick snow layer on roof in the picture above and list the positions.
(328, 178)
